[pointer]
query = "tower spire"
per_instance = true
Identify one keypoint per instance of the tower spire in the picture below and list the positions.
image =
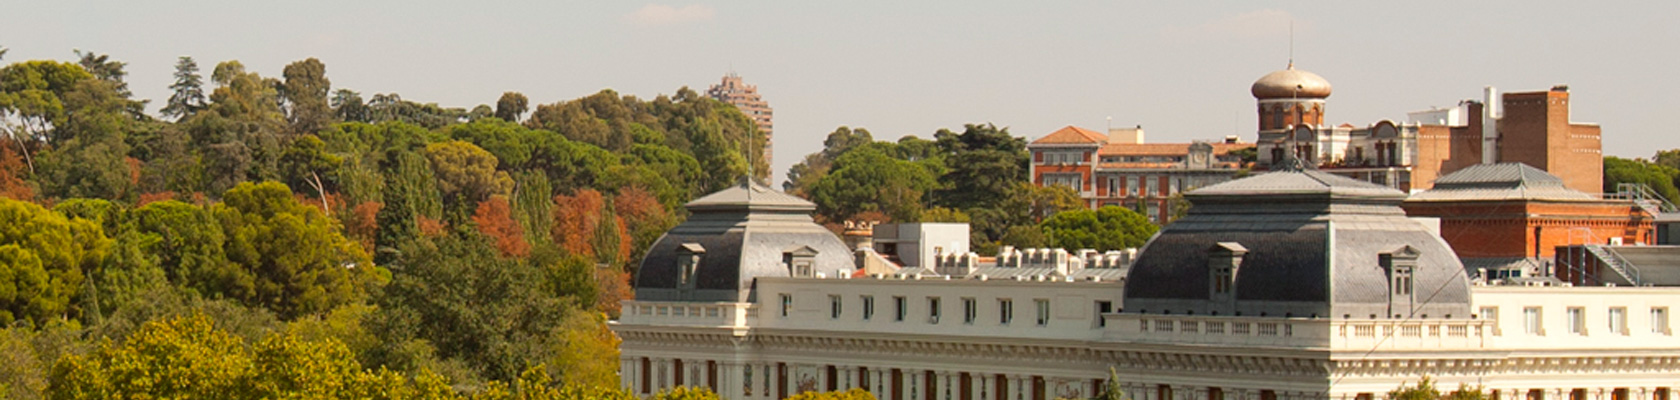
(1292, 43)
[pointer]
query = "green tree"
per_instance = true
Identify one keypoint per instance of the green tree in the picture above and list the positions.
(348, 106)
(1107, 228)
(302, 262)
(1423, 390)
(1659, 178)
(867, 179)
(986, 163)
(942, 214)
(459, 295)
(304, 93)
(853, 394)
(686, 393)
(466, 174)
(43, 260)
(188, 91)
(511, 105)
(805, 174)
(1111, 389)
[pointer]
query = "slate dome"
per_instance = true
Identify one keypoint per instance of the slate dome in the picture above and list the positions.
(1308, 244)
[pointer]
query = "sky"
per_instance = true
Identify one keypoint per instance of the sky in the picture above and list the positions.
(1179, 69)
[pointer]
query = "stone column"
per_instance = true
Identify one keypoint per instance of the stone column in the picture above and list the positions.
(627, 368)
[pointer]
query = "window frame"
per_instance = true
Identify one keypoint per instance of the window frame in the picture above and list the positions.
(971, 310)
(1006, 311)
(1042, 308)
(835, 306)
(787, 304)
(901, 308)
(1534, 321)
(868, 306)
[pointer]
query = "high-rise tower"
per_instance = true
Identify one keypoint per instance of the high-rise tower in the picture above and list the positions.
(745, 97)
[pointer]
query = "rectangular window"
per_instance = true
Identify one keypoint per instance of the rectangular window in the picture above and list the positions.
(787, 304)
(1103, 307)
(1577, 320)
(868, 307)
(1006, 311)
(1659, 320)
(1618, 320)
(901, 308)
(834, 306)
(1491, 315)
(933, 310)
(1531, 321)
(1043, 306)
(971, 310)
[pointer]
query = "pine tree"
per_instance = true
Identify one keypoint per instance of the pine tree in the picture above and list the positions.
(189, 90)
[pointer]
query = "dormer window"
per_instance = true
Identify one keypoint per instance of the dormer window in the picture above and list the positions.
(688, 261)
(800, 261)
(1399, 265)
(1223, 260)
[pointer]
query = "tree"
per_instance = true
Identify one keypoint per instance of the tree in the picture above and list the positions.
(456, 293)
(301, 262)
(494, 219)
(868, 179)
(686, 393)
(187, 242)
(1111, 389)
(305, 95)
(511, 106)
(853, 394)
(1423, 390)
(986, 163)
(188, 97)
(1107, 228)
(466, 174)
(1658, 177)
(348, 106)
(942, 214)
(303, 164)
(805, 174)
(43, 259)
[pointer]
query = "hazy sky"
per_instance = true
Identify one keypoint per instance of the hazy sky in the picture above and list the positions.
(1180, 69)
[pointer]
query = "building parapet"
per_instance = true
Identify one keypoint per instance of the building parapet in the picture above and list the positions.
(1308, 333)
(680, 313)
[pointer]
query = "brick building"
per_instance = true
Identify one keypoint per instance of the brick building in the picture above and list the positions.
(1534, 128)
(745, 97)
(1119, 169)
(1509, 218)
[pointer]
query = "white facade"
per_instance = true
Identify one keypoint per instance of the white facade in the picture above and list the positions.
(1045, 338)
(917, 244)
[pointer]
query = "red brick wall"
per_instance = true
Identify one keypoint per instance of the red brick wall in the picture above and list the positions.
(1506, 228)
(1536, 131)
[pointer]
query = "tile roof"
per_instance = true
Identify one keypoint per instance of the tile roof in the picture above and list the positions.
(1072, 135)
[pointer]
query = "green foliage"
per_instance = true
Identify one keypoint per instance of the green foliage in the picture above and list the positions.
(304, 94)
(686, 393)
(297, 260)
(942, 214)
(853, 394)
(1658, 176)
(1423, 390)
(868, 179)
(511, 105)
(804, 175)
(43, 258)
(466, 174)
(1107, 228)
(986, 163)
(188, 96)
(460, 296)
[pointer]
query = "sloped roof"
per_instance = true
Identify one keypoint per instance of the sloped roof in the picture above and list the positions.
(1165, 149)
(1072, 135)
(1298, 182)
(1502, 181)
(751, 195)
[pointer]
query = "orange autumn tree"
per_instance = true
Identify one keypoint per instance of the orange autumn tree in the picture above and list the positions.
(12, 172)
(494, 218)
(586, 226)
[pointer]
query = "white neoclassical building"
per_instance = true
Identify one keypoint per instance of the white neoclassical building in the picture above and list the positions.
(1285, 285)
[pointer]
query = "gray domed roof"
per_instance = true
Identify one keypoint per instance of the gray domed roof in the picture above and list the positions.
(1290, 83)
(738, 235)
(1314, 243)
